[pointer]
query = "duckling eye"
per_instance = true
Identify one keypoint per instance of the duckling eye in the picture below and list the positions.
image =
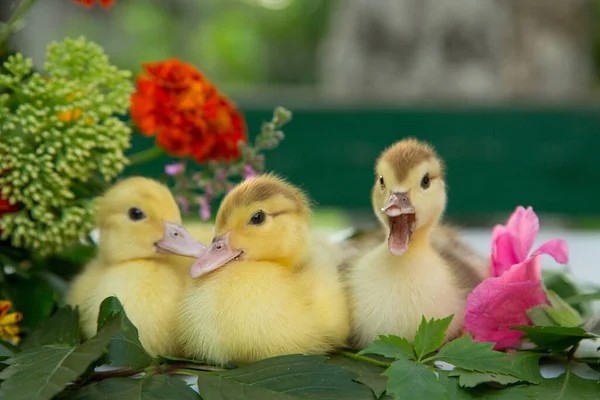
(258, 218)
(381, 182)
(425, 182)
(135, 214)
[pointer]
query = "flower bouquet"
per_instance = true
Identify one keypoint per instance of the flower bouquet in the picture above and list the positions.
(64, 137)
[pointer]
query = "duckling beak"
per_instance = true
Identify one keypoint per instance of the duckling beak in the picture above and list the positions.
(178, 241)
(217, 255)
(402, 218)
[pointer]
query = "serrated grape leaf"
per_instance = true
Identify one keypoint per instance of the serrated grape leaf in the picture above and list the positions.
(283, 378)
(408, 380)
(568, 386)
(430, 335)
(479, 356)
(452, 389)
(554, 338)
(150, 387)
(125, 348)
(61, 329)
(39, 373)
(472, 378)
(368, 374)
(392, 347)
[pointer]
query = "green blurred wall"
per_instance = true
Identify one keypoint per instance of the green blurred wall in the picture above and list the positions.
(496, 158)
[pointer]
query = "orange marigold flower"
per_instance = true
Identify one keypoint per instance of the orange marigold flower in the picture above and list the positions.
(90, 3)
(8, 322)
(70, 115)
(189, 117)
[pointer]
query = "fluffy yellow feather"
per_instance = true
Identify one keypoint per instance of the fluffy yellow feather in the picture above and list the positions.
(140, 229)
(394, 284)
(266, 286)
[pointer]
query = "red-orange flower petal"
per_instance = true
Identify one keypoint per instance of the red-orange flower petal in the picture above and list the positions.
(189, 117)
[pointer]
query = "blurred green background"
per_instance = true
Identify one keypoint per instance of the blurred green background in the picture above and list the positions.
(506, 91)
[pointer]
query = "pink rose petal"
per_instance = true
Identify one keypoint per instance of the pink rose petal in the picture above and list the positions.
(494, 307)
(555, 248)
(528, 270)
(502, 302)
(503, 254)
(524, 225)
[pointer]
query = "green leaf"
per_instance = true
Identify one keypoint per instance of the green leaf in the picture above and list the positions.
(408, 380)
(566, 387)
(33, 297)
(125, 348)
(368, 374)
(391, 347)
(562, 285)
(472, 378)
(283, 378)
(583, 298)
(62, 328)
(430, 335)
(561, 312)
(40, 373)
(150, 387)
(554, 338)
(452, 388)
(479, 356)
(8, 348)
(539, 316)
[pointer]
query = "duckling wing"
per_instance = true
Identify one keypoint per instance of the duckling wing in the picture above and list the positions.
(467, 266)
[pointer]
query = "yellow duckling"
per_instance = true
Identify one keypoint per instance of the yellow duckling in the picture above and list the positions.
(265, 287)
(140, 226)
(399, 281)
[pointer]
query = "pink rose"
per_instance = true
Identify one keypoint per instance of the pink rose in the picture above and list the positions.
(515, 286)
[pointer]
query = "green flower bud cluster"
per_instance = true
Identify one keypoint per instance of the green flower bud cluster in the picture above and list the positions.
(58, 134)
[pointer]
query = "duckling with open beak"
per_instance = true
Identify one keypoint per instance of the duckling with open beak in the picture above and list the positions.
(395, 284)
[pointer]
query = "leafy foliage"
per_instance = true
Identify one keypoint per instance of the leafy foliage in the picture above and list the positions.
(391, 367)
(60, 329)
(368, 374)
(392, 347)
(479, 356)
(430, 335)
(125, 348)
(42, 372)
(472, 378)
(554, 338)
(151, 387)
(409, 380)
(285, 377)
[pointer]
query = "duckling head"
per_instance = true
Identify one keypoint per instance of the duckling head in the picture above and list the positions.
(261, 219)
(409, 194)
(138, 218)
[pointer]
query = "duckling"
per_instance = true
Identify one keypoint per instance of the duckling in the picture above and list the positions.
(265, 286)
(140, 230)
(404, 278)
(469, 267)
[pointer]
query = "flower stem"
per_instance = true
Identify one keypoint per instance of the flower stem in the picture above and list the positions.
(14, 19)
(146, 155)
(354, 356)
(119, 373)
